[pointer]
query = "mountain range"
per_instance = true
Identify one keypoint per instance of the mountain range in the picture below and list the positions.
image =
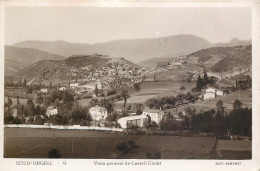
(145, 52)
(134, 50)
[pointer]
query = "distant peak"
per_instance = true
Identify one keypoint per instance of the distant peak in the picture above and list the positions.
(235, 40)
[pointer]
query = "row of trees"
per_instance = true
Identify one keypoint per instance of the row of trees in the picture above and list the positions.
(202, 82)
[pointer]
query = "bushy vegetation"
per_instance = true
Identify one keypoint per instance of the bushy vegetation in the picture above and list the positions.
(154, 155)
(237, 122)
(170, 101)
(123, 147)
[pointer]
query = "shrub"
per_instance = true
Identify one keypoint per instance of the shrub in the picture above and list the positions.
(122, 147)
(54, 153)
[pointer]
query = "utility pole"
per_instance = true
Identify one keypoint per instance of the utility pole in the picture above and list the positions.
(72, 146)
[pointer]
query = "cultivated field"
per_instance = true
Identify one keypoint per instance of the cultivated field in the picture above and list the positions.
(157, 89)
(35, 143)
(237, 149)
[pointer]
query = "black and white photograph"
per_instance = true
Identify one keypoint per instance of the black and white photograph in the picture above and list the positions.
(149, 83)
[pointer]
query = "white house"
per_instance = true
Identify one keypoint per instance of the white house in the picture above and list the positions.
(210, 90)
(51, 110)
(44, 90)
(62, 88)
(155, 114)
(98, 113)
(128, 122)
(74, 85)
(209, 96)
(211, 93)
(219, 93)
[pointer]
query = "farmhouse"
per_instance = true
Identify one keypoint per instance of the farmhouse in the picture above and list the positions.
(62, 88)
(132, 121)
(51, 110)
(212, 93)
(98, 113)
(155, 114)
(74, 85)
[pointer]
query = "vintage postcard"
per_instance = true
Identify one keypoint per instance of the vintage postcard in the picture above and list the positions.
(130, 85)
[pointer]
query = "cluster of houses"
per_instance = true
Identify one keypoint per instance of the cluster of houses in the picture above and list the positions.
(115, 67)
(98, 114)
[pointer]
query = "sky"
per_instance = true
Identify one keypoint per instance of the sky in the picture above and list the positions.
(95, 25)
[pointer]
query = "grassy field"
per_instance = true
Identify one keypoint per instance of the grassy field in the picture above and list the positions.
(35, 143)
(228, 100)
(84, 102)
(237, 149)
(157, 89)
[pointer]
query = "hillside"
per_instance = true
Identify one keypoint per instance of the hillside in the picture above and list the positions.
(134, 50)
(234, 42)
(17, 58)
(222, 59)
(79, 68)
(152, 63)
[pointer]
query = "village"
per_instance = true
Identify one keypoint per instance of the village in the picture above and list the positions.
(125, 114)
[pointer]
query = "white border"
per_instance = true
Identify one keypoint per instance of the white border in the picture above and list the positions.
(85, 164)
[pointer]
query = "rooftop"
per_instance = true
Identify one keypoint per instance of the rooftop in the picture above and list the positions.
(133, 117)
(146, 109)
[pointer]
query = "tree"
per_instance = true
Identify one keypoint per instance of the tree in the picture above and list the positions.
(39, 99)
(17, 101)
(147, 122)
(220, 108)
(136, 86)
(30, 108)
(125, 95)
(199, 84)
(237, 104)
(31, 120)
(139, 110)
(29, 90)
(96, 90)
(24, 82)
(121, 147)
(54, 153)
(10, 102)
(39, 120)
(21, 110)
(182, 88)
(205, 78)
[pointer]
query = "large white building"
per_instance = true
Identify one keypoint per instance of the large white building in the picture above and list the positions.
(98, 113)
(51, 110)
(132, 121)
(155, 114)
